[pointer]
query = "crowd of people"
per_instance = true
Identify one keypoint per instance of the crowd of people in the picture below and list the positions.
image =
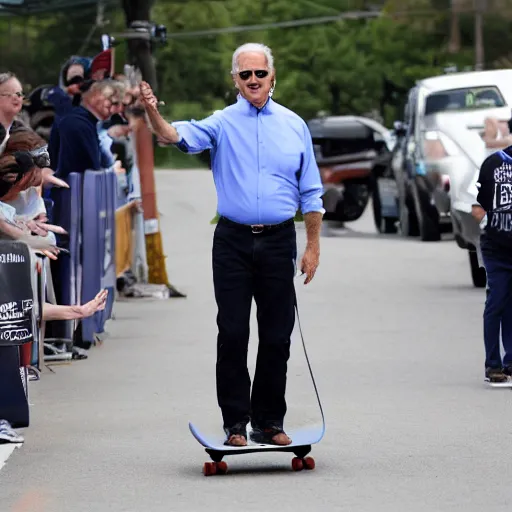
(95, 112)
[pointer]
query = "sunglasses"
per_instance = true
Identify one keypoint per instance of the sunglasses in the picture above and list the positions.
(41, 157)
(260, 73)
(76, 80)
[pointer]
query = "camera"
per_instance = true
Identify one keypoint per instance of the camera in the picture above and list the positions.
(159, 32)
(156, 33)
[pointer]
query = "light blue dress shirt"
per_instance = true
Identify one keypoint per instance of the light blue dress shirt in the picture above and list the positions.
(106, 156)
(263, 162)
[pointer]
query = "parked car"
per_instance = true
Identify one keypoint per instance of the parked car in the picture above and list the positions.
(441, 153)
(345, 148)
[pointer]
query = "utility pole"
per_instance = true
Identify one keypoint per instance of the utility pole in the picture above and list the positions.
(454, 44)
(480, 7)
(137, 14)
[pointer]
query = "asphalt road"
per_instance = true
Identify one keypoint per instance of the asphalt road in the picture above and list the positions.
(393, 329)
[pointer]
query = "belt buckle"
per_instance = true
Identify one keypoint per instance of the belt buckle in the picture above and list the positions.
(257, 228)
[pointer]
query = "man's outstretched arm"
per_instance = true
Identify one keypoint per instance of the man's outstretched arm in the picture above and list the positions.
(193, 136)
(159, 126)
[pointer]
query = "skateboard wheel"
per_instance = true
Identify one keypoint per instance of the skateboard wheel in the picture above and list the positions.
(297, 464)
(221, 467)
(209, 468)
(309, 463)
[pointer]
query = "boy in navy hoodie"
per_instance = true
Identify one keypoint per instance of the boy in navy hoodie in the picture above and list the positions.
(495, 216)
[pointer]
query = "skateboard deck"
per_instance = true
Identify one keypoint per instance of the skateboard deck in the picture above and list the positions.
(302, 440)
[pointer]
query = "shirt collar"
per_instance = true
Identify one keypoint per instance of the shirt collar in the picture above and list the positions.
(249, 108)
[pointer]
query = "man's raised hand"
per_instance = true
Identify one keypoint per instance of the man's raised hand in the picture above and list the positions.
(148, 98)
(164, 131)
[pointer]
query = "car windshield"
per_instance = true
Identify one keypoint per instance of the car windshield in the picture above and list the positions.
(470, 98)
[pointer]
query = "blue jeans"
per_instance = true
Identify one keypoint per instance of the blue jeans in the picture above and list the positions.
(498, 308)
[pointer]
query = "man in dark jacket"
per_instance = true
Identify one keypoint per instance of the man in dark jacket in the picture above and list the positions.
(79, 148)
(79, 151)
(79, 144)
(494, 212)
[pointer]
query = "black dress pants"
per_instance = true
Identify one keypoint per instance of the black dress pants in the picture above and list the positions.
(247, 265)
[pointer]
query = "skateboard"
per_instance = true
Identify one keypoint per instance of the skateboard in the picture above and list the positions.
(302, 440)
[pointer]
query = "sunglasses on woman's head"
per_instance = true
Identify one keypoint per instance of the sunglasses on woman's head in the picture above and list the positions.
(41, 157)
(260, 73)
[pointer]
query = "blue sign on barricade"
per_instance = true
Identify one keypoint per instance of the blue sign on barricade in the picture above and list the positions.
(66, 270)
(91, 241)
(87, 212)
(98, 242)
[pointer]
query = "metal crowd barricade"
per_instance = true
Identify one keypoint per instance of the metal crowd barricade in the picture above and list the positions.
(87, 211)
(91, 211)
(98, 247)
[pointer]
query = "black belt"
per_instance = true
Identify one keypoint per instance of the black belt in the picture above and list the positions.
(256, 228)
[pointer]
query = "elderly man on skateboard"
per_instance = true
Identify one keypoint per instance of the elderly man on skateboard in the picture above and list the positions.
(264, 170)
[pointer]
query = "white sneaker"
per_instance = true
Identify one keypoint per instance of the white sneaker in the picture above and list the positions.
(7, 434)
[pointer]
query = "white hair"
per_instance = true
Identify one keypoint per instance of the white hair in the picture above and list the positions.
(252, 48)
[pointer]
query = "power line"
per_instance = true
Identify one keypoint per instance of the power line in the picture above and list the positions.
(356, 15)
(350, 15)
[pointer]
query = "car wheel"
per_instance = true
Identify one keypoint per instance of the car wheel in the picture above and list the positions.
(477, 273)
(354, 201)
(428, 218)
